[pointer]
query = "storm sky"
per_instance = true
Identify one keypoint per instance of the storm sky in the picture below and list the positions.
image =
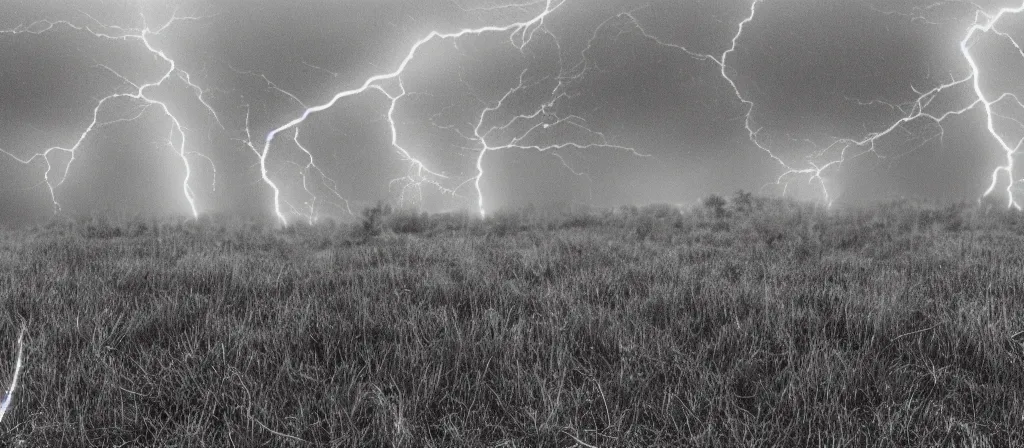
(602, 102)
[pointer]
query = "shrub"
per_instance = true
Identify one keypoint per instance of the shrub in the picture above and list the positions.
(99, 226)
(661, 211)
(451, 221)
(743, 201)
(716, 205)
(408, 221)
(374, 217)
(582, 220)
(629, 210)
(506, 223)
(644, 227)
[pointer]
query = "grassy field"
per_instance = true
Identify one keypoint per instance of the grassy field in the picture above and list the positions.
(754, 323)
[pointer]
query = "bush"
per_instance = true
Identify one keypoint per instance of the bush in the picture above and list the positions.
(582, 220)
(716, 205)
(644, 227)
(374, 217)
(661, 211)
(743, 201)
(408, 221)
(629, 210)
(506, 223)
(451, 221)
(99, 226)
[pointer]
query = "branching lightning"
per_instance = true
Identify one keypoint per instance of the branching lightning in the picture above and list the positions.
(532, 113)
(984, 22)
(484, 138)
(139, 93)
(915, 110)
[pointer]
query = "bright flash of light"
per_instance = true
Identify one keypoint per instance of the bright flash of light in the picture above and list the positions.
(138, 92)
(9, 395)
(984, 22)
(484, 139)
(504, 123)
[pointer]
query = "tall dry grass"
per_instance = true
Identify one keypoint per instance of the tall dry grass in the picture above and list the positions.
(773, 324)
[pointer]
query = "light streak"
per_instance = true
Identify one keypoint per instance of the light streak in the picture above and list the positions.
(913, 111)
(9, 395)
(521, 35)
(985, 23)
(503, 122)
(139, 93)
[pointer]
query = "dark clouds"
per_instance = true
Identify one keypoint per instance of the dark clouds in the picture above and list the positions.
(815, 71)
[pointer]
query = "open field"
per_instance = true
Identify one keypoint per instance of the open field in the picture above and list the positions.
(768, 324)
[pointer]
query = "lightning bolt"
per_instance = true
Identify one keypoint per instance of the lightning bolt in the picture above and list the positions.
(515, 119)
(489, 131)
(912, 111)
(138, 93)
(985, 23)
(309, 169)
(6, 402)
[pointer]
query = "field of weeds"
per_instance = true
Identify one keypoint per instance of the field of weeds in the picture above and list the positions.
(751, 322)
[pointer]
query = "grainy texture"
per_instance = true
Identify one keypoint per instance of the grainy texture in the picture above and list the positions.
(760, 323)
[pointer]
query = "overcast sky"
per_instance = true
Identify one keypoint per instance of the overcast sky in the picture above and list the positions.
(618, 102)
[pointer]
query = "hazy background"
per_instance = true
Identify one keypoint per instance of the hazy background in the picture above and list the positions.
(815, 69)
